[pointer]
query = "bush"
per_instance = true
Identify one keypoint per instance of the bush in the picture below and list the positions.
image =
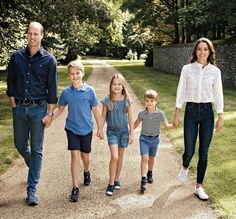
(143, 56)
(70, 56)
(131, 55)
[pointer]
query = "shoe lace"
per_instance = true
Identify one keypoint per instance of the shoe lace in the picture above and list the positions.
(110, 187)
(86, 175)
(75, 191)
(143, 182)
(183, 173)
(202, 190)
(31, 194)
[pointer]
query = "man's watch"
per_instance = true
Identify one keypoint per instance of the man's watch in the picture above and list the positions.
(50, 114)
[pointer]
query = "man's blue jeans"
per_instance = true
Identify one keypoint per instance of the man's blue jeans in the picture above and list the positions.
(198, 119)
(28, 138)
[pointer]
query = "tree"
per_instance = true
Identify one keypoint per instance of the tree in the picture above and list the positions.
(160, 17)
(12, 31)
(174, 21)
(71, 27)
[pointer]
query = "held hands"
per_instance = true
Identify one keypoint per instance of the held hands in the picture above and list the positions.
(47, 121)
(100, 134)
(176, 121)
(131, 138)
(219, 124)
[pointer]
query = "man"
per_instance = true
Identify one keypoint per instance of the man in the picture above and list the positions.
(32, 89)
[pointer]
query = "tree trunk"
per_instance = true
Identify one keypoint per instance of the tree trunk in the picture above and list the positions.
(176, 40)
(183, 34)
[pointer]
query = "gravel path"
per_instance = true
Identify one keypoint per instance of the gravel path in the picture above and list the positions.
(165, 198)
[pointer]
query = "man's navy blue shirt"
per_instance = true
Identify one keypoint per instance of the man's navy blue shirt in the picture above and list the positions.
(32, 77)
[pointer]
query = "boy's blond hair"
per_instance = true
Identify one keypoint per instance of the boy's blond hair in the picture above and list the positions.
(76, 64)
(151, 94)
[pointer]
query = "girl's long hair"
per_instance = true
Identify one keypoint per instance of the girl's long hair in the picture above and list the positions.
(212, 56)
(124, 90)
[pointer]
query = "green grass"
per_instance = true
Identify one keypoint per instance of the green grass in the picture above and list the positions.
(8, 152)
(220, 180)
(90, 57)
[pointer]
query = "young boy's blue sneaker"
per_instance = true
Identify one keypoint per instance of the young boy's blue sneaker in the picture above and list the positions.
(32, 199)
(87, 178)
(74, 194)
(110, 190)
(117, 185)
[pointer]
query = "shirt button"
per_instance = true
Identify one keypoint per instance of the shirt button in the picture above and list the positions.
(26, 90)
(27, 82)
(29, 64)
(28, 73)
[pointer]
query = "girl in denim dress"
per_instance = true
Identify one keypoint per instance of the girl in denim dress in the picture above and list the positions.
(117, 112)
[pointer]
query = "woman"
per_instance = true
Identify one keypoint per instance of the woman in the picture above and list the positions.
(200, 86)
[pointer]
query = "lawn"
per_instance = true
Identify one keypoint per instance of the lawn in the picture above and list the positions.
(8, 152)
(220, 181)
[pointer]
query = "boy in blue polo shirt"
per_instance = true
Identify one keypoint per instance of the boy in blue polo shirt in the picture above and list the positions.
(81, 100)
(151, 119)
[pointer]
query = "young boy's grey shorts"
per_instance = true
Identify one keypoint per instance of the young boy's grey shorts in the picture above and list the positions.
(118, 136)
(148, 145)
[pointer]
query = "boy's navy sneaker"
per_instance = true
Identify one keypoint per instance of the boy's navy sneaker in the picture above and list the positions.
(74, 194)
(87, 178)
(143, 185)
(32, 199)
(110, 190)
(149, 177)
(117, 185)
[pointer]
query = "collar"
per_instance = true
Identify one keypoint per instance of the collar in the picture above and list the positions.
(154, 111)
(40, 50)
(83, 88)
(199, 65)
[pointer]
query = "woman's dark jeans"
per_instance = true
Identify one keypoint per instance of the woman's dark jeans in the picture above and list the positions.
(199, 118)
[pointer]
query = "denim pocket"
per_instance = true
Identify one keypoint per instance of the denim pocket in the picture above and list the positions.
(189, 105)
(207, 106)
(13, 108)
(16, 108)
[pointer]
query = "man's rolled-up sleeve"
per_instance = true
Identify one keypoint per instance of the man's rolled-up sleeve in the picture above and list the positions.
(52, 82)
(11, 77)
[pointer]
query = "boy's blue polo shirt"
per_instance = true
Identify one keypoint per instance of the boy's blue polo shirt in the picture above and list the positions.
(80, 103)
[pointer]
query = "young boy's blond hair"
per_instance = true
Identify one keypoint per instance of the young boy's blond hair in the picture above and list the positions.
(76, 64)
(151, 94)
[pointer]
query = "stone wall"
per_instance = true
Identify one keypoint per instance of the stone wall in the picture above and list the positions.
(172, 58)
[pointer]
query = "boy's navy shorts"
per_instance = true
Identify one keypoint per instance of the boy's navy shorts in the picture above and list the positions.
(79, 142)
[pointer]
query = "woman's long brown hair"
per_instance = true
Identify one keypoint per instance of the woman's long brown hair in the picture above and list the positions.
(212, 56)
